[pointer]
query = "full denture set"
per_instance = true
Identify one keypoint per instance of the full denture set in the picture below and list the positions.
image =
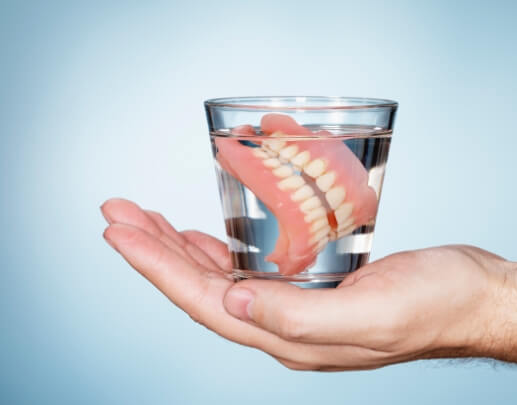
(317, 189)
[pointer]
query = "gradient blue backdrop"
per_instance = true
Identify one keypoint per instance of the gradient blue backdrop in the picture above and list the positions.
(104, 99)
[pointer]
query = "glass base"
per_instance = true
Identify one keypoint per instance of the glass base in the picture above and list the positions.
(302, 280)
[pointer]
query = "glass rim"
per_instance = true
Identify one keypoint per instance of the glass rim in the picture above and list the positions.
(300, 103)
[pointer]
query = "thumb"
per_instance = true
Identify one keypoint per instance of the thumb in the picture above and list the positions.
(296, 314)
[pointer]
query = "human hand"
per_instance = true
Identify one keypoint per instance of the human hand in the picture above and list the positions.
(451, 301)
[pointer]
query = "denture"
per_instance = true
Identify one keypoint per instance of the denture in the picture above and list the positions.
(317, 189)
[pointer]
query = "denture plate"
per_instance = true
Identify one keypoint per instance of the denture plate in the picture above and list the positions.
(301, 159)
(260, 153)
(325, 181)
(274, 144)
(310, 204)
(321, 245)
(335, 196)
(318, 224)
(283, 171)
(288, 152)
(322, 233)
(272, 163)
(292, 183)
(316, 213)
(302, 193)
(315, 168)
(343, 212)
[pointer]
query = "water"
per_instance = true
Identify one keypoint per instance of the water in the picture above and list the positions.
(253, 229)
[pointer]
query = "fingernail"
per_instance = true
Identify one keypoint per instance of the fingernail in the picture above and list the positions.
(238, 303)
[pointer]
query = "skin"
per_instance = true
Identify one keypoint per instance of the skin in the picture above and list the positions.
(449, 301)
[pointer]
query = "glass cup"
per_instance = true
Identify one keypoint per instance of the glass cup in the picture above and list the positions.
(300, 180)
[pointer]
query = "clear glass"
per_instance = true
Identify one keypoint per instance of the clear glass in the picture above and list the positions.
(300, 180)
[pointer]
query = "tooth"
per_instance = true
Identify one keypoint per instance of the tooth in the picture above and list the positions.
(275, 144)
(322, 233)
(310, 204)
(345, 231)
(302, 193)
(260, 153)
(283, 171)
(270, 152)
(277, 133)
(301, 159)
(343, 212)
(335, 196)
(318, 224)
(325, 181)
(316, 213)
(321, 245)
(292, 182)
(332, 235)
(315, 168)
(288, 152)
(345, 224)
(272, 162)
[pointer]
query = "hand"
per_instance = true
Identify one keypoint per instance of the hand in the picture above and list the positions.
(451, 301)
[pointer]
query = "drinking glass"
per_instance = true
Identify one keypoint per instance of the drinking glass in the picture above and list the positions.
(300, 180)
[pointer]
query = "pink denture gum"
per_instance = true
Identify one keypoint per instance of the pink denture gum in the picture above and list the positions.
(317, 189)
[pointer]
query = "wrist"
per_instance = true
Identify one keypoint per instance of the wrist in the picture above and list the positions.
(487, 326)
(500, 338)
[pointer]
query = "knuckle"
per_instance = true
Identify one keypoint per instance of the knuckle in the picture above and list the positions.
(133, 236)
(159, 215)
(196, 308)
(158, 258)
(290, 325)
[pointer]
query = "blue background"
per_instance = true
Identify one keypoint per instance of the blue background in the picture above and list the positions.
(104, 99)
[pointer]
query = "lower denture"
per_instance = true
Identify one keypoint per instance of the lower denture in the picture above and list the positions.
(329, 199)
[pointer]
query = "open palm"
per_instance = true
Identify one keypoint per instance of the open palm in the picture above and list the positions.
(410, 305)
